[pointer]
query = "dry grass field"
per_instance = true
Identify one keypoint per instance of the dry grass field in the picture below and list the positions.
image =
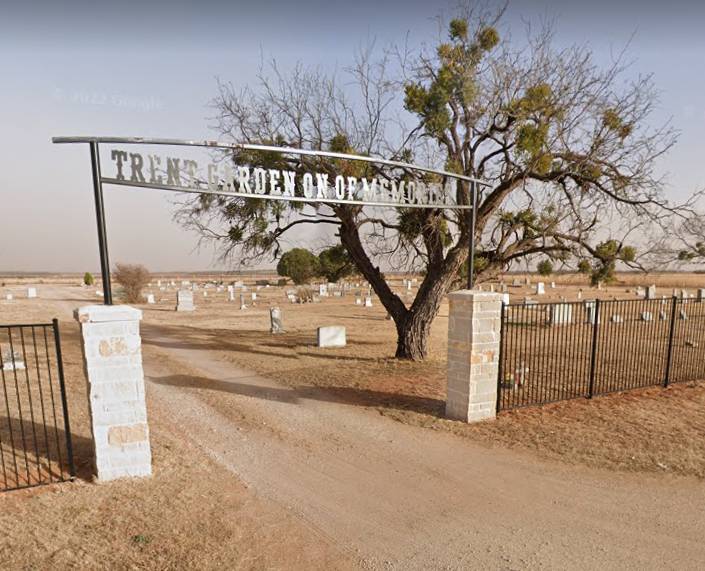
(650, 430)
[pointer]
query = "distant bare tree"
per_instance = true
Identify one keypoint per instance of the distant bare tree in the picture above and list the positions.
(566, 145)
(133, 278)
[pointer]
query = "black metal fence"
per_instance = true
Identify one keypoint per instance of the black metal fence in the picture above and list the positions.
(557, 351)
(35, 434)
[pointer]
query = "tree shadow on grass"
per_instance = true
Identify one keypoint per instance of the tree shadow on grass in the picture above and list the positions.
(248, 386)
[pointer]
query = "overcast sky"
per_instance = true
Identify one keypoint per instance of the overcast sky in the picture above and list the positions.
(149, 69)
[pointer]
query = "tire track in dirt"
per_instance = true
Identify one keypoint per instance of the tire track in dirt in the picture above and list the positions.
(398, 496)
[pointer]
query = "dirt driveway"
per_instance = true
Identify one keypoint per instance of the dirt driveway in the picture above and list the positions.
(402, 497)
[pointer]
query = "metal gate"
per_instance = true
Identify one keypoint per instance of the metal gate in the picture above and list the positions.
(35, 434)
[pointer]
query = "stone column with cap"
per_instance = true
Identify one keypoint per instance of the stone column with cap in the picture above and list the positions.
(473, 354)
(112, 358)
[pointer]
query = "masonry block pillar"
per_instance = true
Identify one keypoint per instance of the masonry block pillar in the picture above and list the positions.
(112, 359)
(473, 354)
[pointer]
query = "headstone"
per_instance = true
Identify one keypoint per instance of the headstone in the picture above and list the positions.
(368, 301)
(590, 312)
(651, 292)
(505, 298)
(491, 288)
(99, 293)
(516, 282)
(580, 294)
(231, 289)
(701, 295)
(254, 296)
(8, 297)
(150, 298)
(12, 361)
(323, 290)
(242, 301)
(646, 316)
(553, 285)
(616, 318)
(684, 294)
(683, 314)
(640, 292)
(291, 297)
(31, 292)
(331, 336)
(205, 293)
(408, 286)
(560, 314)
(275, 319)
(358, 300)
(540, 290)
(662, 315)
(184, 300)
(528, 281)
(159, 283)
(599, 286)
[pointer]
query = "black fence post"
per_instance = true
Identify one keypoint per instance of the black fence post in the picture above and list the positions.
(64, 404)
(593, 356)
(501, 358)
(669, 355)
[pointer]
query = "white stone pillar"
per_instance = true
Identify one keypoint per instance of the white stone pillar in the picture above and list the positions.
(112, 359)
(473, 354)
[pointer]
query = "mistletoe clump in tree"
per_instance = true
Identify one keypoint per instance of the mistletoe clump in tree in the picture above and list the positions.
(564, 144)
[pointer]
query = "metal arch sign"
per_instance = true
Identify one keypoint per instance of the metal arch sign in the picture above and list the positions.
(175, 173)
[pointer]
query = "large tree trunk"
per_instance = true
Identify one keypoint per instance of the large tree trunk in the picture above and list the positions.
(413, 323)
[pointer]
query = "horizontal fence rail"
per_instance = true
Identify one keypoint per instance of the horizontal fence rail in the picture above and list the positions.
(558, 351)
(35, 434)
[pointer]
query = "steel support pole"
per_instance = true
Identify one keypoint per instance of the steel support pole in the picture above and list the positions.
(471, 232)
(100, 218)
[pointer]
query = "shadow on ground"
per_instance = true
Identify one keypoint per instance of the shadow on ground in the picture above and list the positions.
(341, 395)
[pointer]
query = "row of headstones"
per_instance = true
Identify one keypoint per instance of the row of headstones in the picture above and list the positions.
(184, 299)
(31, 293)
(562, 314)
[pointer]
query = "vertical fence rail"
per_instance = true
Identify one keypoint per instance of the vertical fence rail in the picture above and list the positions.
(35, 433)
(559, 351)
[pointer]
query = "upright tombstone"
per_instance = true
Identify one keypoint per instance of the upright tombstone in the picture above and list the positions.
(242, 301)
(150, 298)
(331, 336)
(505, 299)
(590, 312)
(184, 300)
(231, 295)
(651, 292)
(31, 292)
(368, 301)
(275, 320)
(323, 290)
(561, 314)
(473, 355)
(112, 359)
(701, 295)
(8, 296)
(254, 296)
(540, 288)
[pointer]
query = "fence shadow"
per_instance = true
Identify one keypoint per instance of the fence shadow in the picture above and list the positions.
(42, 454)
(339, 395)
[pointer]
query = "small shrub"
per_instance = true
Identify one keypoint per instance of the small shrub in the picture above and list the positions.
(133, 278)
(88, 279)
(305, 294)
(281, 282)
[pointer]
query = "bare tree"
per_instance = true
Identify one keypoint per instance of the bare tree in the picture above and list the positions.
(565, 144)
(133, 278)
